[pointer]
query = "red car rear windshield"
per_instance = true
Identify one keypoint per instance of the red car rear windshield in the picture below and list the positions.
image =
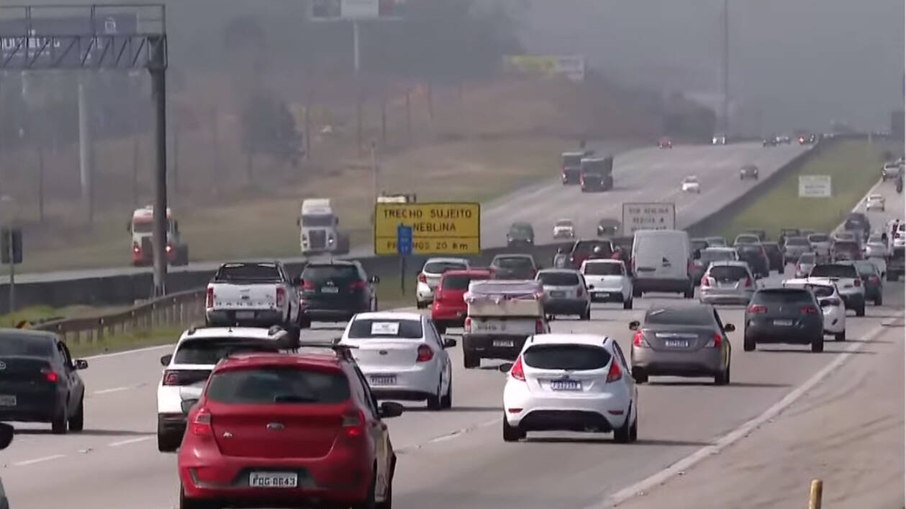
(460, 281)
(277, 385)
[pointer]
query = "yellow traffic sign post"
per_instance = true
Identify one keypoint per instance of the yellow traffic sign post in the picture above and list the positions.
(438, 228)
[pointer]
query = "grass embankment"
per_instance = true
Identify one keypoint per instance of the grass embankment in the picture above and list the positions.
(853, 166)
(46, 313)
(118, 343)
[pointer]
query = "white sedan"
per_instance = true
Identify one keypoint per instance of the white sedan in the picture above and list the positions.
(402, 356)
(832, 306)
(570, 382)
(691, 185)
(875, 202)
(564, 229)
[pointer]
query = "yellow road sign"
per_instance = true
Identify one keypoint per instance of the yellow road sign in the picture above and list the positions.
(437, 228)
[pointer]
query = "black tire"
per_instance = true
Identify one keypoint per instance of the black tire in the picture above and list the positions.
(841, 336)
(305, 322)
(167, 442)
(639, 375)
(369, 502)
(723, 378)
(628, 304)
(749, 344)
(511, 433)
(689, 293)
(420, 305)
(185, 255)
(636, 292)
(77, 420)
(434, 400)
(623, 434)
(470, 360)
(60, 423)
(818, 344)
(586, 315)
(879, 300)
(446, 402)
(860, 311)
(388, 497)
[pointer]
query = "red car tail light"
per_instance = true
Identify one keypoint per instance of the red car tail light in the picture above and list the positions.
(715, 341)
(50, 375)
(209, 299)
(425, 354)
(171, 377)
(422, 278)
(308, 285)
(517, 371)
(467, 325)
(136, 248)
(615, 372)
(748, 283)
(354, 424)
(857, 283)
(874, 280)
(169, 248)
(706, 282)
(809, 310)
(281, 297)
(757, 309)
(639, 339)
(201, 425)
(539, 326)
(357, 285)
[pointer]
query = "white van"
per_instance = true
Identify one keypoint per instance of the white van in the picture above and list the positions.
(661, 262)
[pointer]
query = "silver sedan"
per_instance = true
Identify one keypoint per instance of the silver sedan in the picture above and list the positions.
(565, 293)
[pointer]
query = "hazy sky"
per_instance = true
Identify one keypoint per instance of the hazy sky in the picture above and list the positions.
(799, 62)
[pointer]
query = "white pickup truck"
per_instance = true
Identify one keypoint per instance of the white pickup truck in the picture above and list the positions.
(501, 315)
(253, 294)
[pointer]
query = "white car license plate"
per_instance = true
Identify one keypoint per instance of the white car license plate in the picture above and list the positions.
(8, 400)
(565, 385)
(676, 343)
(502, 343)
(273, 480)
(330, 289)
(489, 326)
(783, 323)
(245, 315)
(558, 295)
(383, 380)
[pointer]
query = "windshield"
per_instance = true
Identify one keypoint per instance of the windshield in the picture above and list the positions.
(277, 385)
(690, 180)
(854, 224)
(237, 272)
(441, 267)
(728, 273)
(379, 328)
(587, 247)
(716, 241)
(747, 239)
(515, 262)
(318, 220)
(558, 278)
(14, 344)
(603, 269)
(818, 237)
(821, 290)
(565, 223)
(782, 296)
(594, 167)
(699, 315)
(698, 244)
(797, 241)
(521, 231)
(833, 270)
(866, 268)
(459, 281)
(566, 357)
(846, 245)
(330, 273)
(210, 351)
(571, 160)
(713, 255)
(143, 226)
(807, 258)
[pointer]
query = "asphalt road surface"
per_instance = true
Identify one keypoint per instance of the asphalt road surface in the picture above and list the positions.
(456, 459)
(641, 175)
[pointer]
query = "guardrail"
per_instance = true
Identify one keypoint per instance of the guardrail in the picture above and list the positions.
(175, 310)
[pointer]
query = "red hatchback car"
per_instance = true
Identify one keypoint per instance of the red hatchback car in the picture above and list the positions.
(278, 430)
(449, 308)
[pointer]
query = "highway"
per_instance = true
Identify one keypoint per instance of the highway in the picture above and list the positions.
(456, 458)
(646, 174)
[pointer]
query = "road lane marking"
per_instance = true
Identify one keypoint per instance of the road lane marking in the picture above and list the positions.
(108, 391)
(685, 464)
(39, 460)
(129, 441)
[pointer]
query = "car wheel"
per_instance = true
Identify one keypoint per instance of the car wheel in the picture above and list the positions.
(369, 502)
(840, 336)
(818, 344)
(639, 375)
(188, 503)
(60, 423)
(627, 304)
(446, 402)
(305, 322)
(586, 315)
(636, 292)
(634, 429)
(388, 498)
(723, 378)
(511, 433)
(77, 421)
(622, 434)
(434, 400)
(749, 344)
(689, 293)
(879, 301)
(470, 360)
(860, 311)
(420, 305)
(167, 442)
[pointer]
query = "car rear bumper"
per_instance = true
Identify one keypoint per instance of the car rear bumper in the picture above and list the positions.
(725, 297)
(570, 412)
(607, 294)
(643, 284)
(32, 405)
(484, 345)
(262, 318)
(174, 424)
(853, 300)
(673, 363)
(565, 307)
(412, 383)
(322, 314)
(452, 317)
(800, 334)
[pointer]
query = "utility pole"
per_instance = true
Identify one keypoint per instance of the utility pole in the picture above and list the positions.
(725, 85)
(158, 71)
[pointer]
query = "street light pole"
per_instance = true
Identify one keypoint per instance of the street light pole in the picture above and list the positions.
(725, 85)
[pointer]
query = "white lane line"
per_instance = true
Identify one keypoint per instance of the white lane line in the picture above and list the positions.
(739, 433)
(39, 460)
(449, 436)
(114, 389)
(129, 441)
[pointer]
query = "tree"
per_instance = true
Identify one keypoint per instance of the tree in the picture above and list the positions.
(269, 128)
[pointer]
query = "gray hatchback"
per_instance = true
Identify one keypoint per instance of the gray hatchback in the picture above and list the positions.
(565, 293)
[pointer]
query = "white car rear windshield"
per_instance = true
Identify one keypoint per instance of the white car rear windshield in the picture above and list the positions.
(603, 269)
(818, 237)
(277, 385)
(566, 357)
(440, 267)
(239, 272)
(834, 270)
(558, 279)
(713, 255)
(386, 328)
(724, 273)
(209, 351)
(796, 241)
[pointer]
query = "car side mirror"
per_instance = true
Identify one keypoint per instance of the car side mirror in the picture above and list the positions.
(374, 280)
(560, 250)
(187, 405)
(591, 287)
(165, 359)
(729, 327)
(505, 367)
(6, 435)
(449, 342)
(389, 410)
(634, 325)
(80, 364)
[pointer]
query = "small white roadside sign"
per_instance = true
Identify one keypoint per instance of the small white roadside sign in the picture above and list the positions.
(648, 216)
(359, 9)
(815, 186)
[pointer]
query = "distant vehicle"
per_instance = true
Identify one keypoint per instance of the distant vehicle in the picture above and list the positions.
(830, 302)
(318, 229)
(891, 171)
(586, 249)
(41, 381)
(565, 293)
(719, 139)
(686, 340)
(698, 244)
(596, 174)
(608, 280)
(876, 247)
(564, 229)
(608, 227)
(570, 382)
(859, 224)
(875, 202)
(665, 142)
(793, 247)
(761, 234)
(820, 243)
(141, 227)
(784, 139)
(848, 280)
(570, 164)
(449, 308)
(727, 282)
(313, 415)
(660, 262)
(746, 238)
(337, 291)
(895, 267)
(402, 356)
(256, 294)
(843, 250)
(514, 266)
(748, 171)
(784, 315)
(716, 241)
(757, 258)
(520, 234)
(872, 281)
(187, 369)
(430, 275)
(691, 185)
(805, 263)
(808, 139)
(770, 141)
(789, 232)
(775, 256)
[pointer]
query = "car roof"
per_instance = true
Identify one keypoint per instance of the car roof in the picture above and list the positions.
(201, 333)
(442, 259)
(690, 177)
(471, 271)
(565, 221)
(345, 263)
(389, 315)
(729, 263)
(513, 255)
(719, 248)
(592, 261)
(330, 359)
(560, 338)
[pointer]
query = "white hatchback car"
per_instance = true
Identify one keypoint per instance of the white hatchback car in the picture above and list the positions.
(691, 185)
(608, 280)
(564, 229)
(430, 275)
(875, 202)
(187, 369)
(570, 382)
(403, 357)
(831, 303)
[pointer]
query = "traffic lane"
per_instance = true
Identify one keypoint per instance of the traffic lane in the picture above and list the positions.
(848, 431)
(677, 417)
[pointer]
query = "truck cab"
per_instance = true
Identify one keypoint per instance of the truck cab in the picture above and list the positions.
(141, 229)
(596, 174)
(318, 229)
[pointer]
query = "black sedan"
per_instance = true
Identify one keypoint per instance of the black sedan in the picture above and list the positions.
(608, 227)
(871, 280)
(775, 256)
(749, 171)
(784, 315)
(39, 381)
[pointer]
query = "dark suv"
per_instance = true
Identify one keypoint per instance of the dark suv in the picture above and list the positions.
(784, 315)
(336, 291)
(520, 234)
